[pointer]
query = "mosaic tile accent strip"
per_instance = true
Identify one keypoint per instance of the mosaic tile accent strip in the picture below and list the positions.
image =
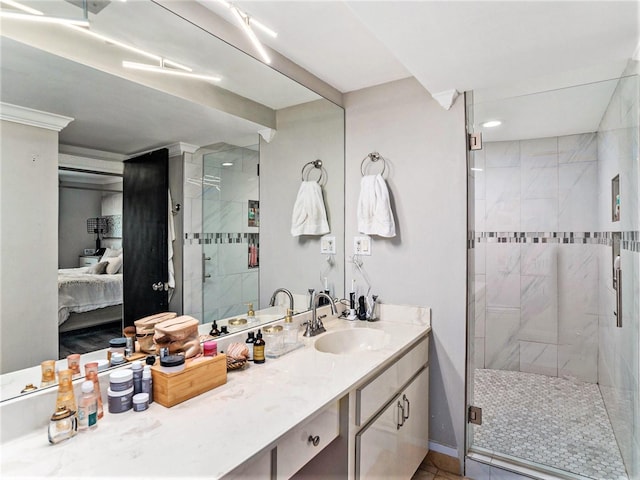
(549, 421)
(630, 240)
(221, 238)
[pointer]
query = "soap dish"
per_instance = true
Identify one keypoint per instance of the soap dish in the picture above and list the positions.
(233, 364)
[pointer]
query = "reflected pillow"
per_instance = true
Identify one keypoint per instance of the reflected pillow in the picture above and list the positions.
(110, 253)
(98, 268)
(114, 264)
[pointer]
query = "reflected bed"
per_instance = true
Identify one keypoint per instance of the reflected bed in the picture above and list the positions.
(86, 299)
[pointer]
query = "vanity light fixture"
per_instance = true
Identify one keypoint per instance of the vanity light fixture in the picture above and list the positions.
(33, 15)
(246, 22)
(24, 8)
(491, 123)
(131, 48)
(169, 71)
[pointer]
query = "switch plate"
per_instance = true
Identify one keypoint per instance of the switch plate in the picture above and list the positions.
(362, 245)
(328, 245)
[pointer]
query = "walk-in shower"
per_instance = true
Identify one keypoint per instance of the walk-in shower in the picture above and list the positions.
(553, 340)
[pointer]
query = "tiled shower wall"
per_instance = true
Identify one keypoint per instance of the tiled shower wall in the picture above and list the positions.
(226, 234)
(618, 368)
(216, 217)
(536, 271)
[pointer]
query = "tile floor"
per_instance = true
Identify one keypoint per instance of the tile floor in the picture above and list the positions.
(428, 471)
(551, 421)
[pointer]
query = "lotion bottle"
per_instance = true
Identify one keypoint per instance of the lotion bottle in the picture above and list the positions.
(87, 407)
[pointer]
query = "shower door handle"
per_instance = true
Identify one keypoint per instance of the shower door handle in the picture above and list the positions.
(618, 312)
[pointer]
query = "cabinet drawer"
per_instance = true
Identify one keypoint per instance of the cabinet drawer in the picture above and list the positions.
(375, 394)
(295, 450)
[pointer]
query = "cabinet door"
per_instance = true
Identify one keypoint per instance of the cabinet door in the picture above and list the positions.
(394, 444)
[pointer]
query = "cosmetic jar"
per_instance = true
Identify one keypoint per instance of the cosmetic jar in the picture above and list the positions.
(121, 380)
(172, 363)
(102, 364)
(119, 401)
(116, 345)
(273, 338)
(210, 348)
(236, 324)
(140, 402)
(117, 359)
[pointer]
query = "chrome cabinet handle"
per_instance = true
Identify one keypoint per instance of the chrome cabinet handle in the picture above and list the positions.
(400, 422)
(157, 286)
(314, 440)
(405, 399)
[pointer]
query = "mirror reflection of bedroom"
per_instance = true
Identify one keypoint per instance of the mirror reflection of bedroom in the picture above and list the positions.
(90, 259)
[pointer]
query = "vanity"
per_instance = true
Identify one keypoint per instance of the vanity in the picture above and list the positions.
(354, 399)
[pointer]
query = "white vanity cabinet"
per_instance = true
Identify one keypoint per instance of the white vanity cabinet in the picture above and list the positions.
(395, 406)
(306, 441)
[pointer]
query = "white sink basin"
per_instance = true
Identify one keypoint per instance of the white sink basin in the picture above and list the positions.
(351, 341)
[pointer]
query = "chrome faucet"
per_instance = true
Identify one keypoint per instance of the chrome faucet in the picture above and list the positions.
(272, 302)
(315, 326)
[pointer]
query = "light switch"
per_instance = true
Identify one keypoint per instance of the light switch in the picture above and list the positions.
(328, 245)
(362, 245)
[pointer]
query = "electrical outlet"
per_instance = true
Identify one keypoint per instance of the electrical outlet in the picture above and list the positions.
(362, 245)
(328, 245)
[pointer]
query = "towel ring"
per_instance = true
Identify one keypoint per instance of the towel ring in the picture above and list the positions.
(374, 157)
(316, 164)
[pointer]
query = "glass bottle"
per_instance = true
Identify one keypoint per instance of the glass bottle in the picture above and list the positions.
(258, 348)
(66, 397)
(214, 330)
(250, 341)
(87, 407)
(91, 373)
(48, 373)
(63, 425)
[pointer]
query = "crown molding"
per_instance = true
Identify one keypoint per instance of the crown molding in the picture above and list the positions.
(33, 118)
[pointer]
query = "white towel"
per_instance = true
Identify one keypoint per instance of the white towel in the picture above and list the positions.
(309, 215)
(374, 209)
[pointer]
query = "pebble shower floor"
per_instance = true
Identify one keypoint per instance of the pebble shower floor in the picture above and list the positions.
(550, 421)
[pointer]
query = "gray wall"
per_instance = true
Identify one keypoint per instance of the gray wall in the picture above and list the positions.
(425, 264)
(75, 207)
(29, 212)
(305, 133)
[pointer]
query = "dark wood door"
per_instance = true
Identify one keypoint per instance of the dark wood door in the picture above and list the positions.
(144, 235)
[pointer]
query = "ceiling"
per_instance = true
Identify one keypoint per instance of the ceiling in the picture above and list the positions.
(498, 49)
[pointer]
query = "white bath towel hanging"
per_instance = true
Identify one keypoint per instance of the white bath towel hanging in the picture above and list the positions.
(374, 208)
(309, 215)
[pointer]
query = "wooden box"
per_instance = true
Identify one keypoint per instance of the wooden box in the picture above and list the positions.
(199, 375)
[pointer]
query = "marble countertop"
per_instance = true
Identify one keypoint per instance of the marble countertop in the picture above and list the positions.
(216, 432)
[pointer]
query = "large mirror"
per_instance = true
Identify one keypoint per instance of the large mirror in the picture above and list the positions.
(233, 243)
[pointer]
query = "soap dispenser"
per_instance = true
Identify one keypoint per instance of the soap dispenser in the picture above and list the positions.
(251, 314)
(290, 329)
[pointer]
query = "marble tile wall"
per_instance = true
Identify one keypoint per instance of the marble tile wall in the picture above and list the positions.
(618, 361)
(216, 226)
(232, 284)
(536, 301)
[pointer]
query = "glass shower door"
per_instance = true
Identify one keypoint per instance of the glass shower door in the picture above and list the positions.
(555, 377)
